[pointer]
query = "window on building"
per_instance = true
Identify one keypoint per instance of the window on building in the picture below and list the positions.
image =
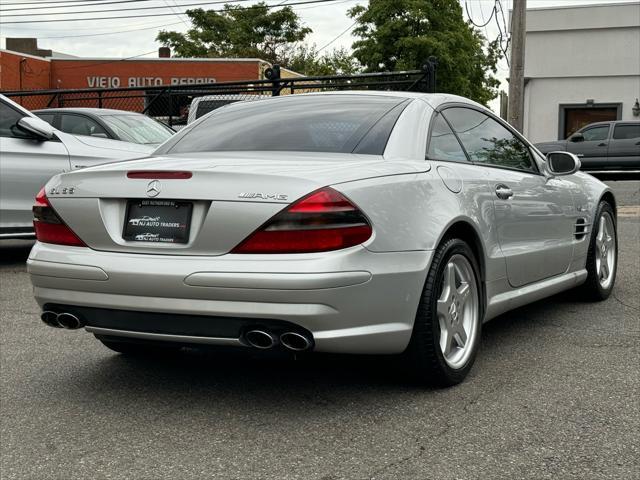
(487, 141)
(626, 132)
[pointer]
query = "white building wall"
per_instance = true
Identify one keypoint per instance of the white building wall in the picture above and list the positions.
(576, 53)
(580, 53)
(543, 97)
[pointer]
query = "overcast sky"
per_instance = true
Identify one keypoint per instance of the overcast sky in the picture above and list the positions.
(138, 34)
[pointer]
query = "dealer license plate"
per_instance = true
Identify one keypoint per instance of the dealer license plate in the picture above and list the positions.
(160, 221)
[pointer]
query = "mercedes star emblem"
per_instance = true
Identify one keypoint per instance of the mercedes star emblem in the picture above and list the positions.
(153, 189)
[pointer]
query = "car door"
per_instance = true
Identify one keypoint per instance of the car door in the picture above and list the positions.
(624, 147)
(26, 164)
(534, 214)
(592, 151)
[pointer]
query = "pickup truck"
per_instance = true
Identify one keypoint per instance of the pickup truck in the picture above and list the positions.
(603, 147)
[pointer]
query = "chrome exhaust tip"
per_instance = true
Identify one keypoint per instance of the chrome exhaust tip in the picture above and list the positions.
(50, 318)
(295, 341)
(260, 339)
(69, 321)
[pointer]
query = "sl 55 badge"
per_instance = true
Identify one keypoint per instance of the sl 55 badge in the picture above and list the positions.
(62, 191)
(264, 196)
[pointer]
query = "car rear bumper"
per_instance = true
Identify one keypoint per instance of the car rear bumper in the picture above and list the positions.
(350, 301)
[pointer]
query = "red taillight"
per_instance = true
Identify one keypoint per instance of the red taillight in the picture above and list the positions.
(49, 226)
(324, 220)
(159, 175)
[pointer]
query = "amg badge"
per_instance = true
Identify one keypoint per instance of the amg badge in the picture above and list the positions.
(264, 196)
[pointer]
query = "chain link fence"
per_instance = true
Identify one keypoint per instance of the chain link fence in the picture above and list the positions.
(175, 106)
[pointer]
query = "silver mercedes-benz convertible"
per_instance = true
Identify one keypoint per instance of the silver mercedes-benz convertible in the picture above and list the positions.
(353, 222)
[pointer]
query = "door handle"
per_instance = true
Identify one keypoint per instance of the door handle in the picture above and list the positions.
(80, 166)
(602, 144)
(503, 192)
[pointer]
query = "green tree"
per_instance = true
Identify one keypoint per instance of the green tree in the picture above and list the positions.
(237, 31)
(307, 60)
(402, 34)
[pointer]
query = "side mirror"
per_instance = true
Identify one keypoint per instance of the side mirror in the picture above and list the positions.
(36, 127)
(100, 135)
(562, 163)
(577, 137)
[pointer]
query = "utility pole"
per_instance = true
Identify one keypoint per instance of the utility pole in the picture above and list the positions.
(516, 70)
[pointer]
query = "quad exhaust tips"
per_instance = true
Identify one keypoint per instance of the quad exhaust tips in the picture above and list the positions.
(265, 340)
(61, 320)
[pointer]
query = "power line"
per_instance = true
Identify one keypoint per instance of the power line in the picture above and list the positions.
(85, 4)
(111, 33)
(84, 19)
(336, 38)
(42, 3)
(114, 10)
(178, 15)
(493, 10)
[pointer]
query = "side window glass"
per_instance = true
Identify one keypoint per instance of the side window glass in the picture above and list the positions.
(8, 122)
(47, 117)
(487, 141)
(443, 144)
(80, 125)
(596, 133)
(626, 132)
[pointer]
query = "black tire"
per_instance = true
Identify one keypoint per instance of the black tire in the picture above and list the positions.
(592, 290)
(428, 364)
(139, 348)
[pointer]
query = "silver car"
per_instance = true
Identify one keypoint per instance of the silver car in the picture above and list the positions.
(32, 151)
(120, 125)
(354, 222)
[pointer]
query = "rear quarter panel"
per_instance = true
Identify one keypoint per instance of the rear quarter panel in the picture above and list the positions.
(414, 212)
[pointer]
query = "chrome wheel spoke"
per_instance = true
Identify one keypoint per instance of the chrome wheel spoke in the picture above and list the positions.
(446, 338)
(450, 279)
(600, 235)
(604, 269)
(464, 290)
(460, 336)
(443, 308)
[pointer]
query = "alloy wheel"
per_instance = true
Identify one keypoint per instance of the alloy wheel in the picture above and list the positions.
(605, 250)
(458, 311)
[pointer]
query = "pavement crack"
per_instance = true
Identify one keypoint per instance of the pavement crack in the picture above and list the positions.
(405, 459)
(624, 304)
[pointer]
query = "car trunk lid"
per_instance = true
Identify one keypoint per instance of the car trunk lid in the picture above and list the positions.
(229, 194)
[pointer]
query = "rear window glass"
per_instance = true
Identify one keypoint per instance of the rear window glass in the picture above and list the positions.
(624, 132)
(207, 106)
(323, 123)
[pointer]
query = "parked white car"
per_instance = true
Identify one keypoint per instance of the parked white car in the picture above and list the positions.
(32, 151)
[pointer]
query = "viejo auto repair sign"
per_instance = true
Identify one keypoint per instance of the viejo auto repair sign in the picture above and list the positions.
(116, 82)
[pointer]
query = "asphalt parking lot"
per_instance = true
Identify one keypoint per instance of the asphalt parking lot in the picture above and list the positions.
(554, 394)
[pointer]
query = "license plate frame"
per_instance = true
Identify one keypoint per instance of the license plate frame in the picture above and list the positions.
(157, 221)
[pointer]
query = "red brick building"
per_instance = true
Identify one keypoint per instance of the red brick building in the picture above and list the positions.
(23, 71)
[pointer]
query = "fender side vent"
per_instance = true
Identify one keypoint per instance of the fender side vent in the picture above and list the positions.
(581, 228)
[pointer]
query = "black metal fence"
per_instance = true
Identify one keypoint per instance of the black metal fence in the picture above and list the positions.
(171, 104)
